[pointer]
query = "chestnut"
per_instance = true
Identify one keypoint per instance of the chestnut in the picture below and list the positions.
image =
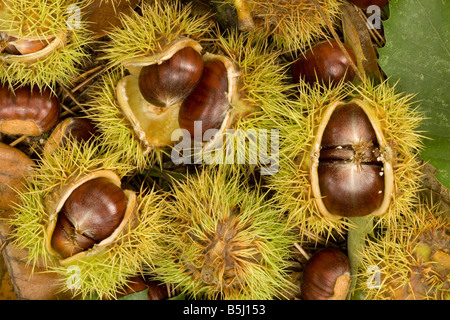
(90, 214)
(16, 46)
(28, 111)
(156, 289)
(350, 176)
(67, 241)
(169, 82)
(326, 276)
(208, 102)
(80, 129)
(364, 4)
(96, 208)
(324, 62)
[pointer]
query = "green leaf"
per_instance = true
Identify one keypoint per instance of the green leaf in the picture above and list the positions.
(355, 242)
(141, 295)
(417, 55)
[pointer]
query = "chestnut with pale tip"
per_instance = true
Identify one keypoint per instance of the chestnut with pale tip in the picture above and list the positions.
(324, 62)
(28, 111)
(169, 82)
(326, 276)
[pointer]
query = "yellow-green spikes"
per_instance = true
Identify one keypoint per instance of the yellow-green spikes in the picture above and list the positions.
(225, 241)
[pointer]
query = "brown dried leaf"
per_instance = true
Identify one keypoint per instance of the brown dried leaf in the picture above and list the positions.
(104, 15)
(357, 36)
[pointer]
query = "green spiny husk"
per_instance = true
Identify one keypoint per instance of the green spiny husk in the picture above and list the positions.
(214, 207)
(117, 132)
(293, 25)
(101, 274)
(297, 122)
(404, 258)
(33, 18)
(157, 26)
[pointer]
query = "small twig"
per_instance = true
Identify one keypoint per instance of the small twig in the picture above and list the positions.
(379, 39)
(302, 251)
(18, 140)
(68, 110)
(83, 75)
(3, 246)
(245, 19)
(338, 40)
(96, 74)
(69, 94)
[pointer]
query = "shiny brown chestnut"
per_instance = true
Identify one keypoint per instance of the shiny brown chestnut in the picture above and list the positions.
(352, 172)
(28, 111)
(91, 213)
(169, 82)
(208, 103)
(324, 62)
(326, 276)
(67, 241)
(364, 4)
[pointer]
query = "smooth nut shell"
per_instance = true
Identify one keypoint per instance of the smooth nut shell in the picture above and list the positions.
(66, 241)
(56, 199)
(208, 102)
(169, 82)
(27, 111)
(324, 62)
(350, 175)
(96, 208)
(326, 276)
(58, 41)
(351, 168)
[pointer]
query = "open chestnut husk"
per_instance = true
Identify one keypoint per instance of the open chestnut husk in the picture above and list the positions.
(326, 63)
(27, 110)
(326, 276)
(352, 165)
(87, 215)
(154, 123)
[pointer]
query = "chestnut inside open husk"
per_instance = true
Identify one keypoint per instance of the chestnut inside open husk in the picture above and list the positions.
(88, 216)
(171, 81)
(351, 172)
